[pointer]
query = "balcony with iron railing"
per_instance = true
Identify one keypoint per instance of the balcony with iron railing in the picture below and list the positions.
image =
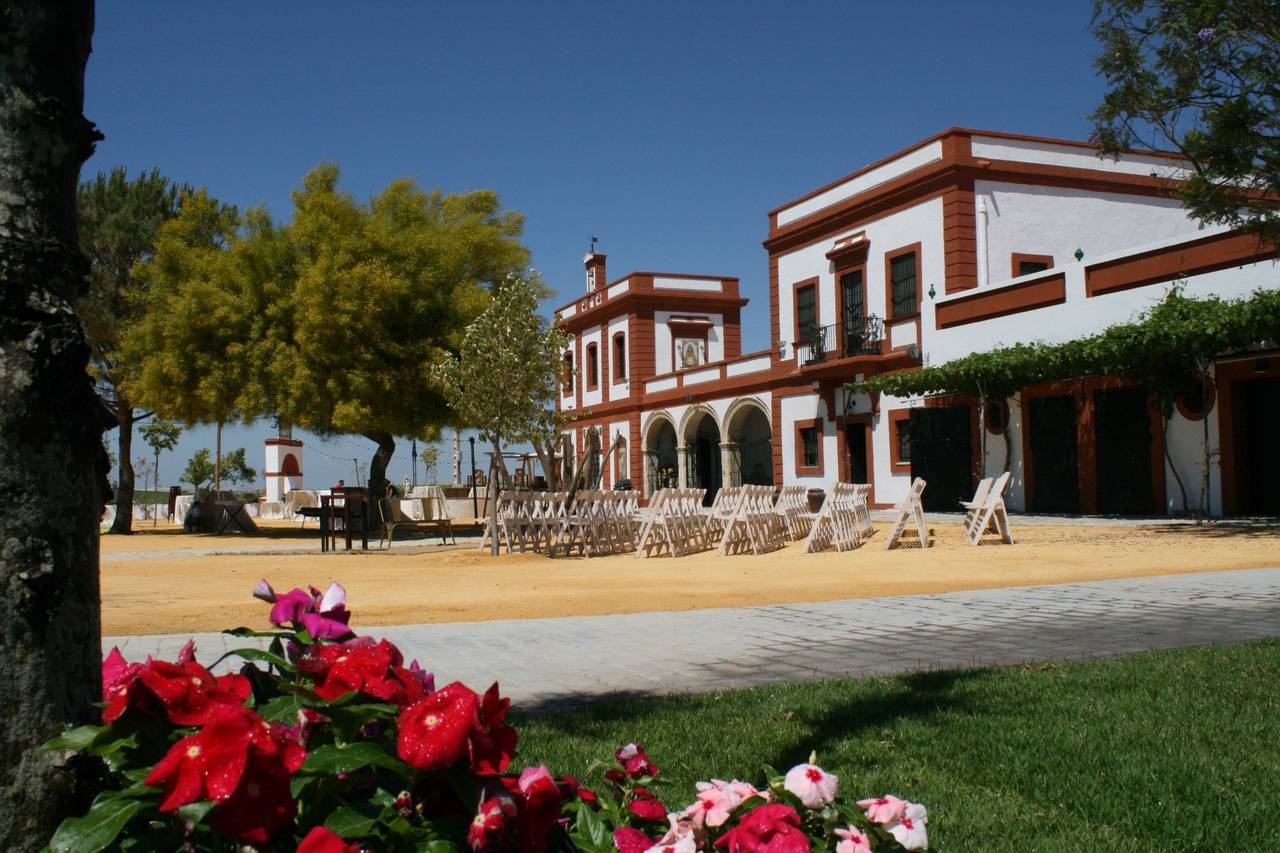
(851, 338)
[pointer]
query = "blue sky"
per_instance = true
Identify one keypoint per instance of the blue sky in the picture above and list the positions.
(667, 129)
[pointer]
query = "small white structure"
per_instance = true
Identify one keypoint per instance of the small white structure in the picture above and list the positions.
(283, 467)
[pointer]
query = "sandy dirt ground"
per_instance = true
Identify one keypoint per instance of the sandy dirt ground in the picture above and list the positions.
(152, 587)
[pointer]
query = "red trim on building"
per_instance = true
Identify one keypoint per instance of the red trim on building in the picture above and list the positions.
(1221, 251)
(987, 304)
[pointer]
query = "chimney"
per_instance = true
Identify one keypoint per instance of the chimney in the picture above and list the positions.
(594, 262)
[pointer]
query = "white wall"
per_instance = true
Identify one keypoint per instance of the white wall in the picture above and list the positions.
(921, 156)
(1056, 221)
(1186, 446)
(662, 339)
(1072, 156)
(921, 224)
(1080, 316)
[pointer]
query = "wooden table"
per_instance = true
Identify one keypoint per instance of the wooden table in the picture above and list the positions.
(352, 507)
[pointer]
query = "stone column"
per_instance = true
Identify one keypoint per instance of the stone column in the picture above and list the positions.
(650, 466)
(730, 475)
(682, 466)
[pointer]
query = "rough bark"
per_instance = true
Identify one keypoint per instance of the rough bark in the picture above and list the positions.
(378, 472)
(123, 522)
(52, 464)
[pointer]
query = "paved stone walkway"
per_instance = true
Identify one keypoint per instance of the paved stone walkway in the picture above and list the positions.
(555, 662)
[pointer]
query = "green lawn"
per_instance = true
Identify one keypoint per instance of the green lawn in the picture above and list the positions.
(1160, 751)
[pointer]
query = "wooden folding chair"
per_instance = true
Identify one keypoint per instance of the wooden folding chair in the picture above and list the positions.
(973, 507)
(908, 510)
(992, 515)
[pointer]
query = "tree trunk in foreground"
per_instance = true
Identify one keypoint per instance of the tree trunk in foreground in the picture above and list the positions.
(123, 522)
(52, 463)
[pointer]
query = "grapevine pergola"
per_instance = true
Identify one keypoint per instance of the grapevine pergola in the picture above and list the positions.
(1168, 349)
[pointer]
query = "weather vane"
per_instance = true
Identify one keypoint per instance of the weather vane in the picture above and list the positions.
(594, 240)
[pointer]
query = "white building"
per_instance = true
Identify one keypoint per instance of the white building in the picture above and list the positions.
(965, 241)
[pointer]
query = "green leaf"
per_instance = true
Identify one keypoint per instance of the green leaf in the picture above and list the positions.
(439, 845)
(594, 829)
(97, 829)
(328, 760)
(76, 739)
(195, 812)
(249, 632)
(259, 654)
(349, 823)
(279, 709)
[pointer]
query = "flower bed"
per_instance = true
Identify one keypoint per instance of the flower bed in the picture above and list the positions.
(326, 741)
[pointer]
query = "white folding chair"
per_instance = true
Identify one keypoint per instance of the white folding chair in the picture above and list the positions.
(909, 510)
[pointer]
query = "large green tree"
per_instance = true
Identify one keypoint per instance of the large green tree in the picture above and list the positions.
(119, 221)
(506, 375)
(379, 291)
(52, 462)
(1199, 77)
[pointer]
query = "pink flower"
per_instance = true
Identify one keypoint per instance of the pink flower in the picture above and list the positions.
(909, 830)
(682, 837)
(322, 615)
(264, 592)
(712, 808)
(814, 786)
(853, 840)
(884, 809)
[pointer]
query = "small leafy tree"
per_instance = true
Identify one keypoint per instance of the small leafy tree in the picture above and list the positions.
(505, 376)
(430, 459)
(1201, 77)
(160, 435)
(200, 468)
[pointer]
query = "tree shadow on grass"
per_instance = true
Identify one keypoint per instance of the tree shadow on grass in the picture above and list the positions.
(915, 696)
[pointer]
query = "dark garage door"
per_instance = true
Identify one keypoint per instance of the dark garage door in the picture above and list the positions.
(942, 453)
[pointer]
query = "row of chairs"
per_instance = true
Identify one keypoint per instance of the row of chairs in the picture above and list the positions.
(740, 519)
(594, 523)
(843, 522)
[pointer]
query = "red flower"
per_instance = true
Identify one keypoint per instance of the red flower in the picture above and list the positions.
(772, 828)
(434, 730)
(538, 798)
(238, 761)
(570, 789)
(361, 666)
(323, 840)
(647, 807)
(188, 693)
(636, 762)
(261, 804)
(629, 840)
(488, 828)
(191, 695)
(117, 678)
(491, 743)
